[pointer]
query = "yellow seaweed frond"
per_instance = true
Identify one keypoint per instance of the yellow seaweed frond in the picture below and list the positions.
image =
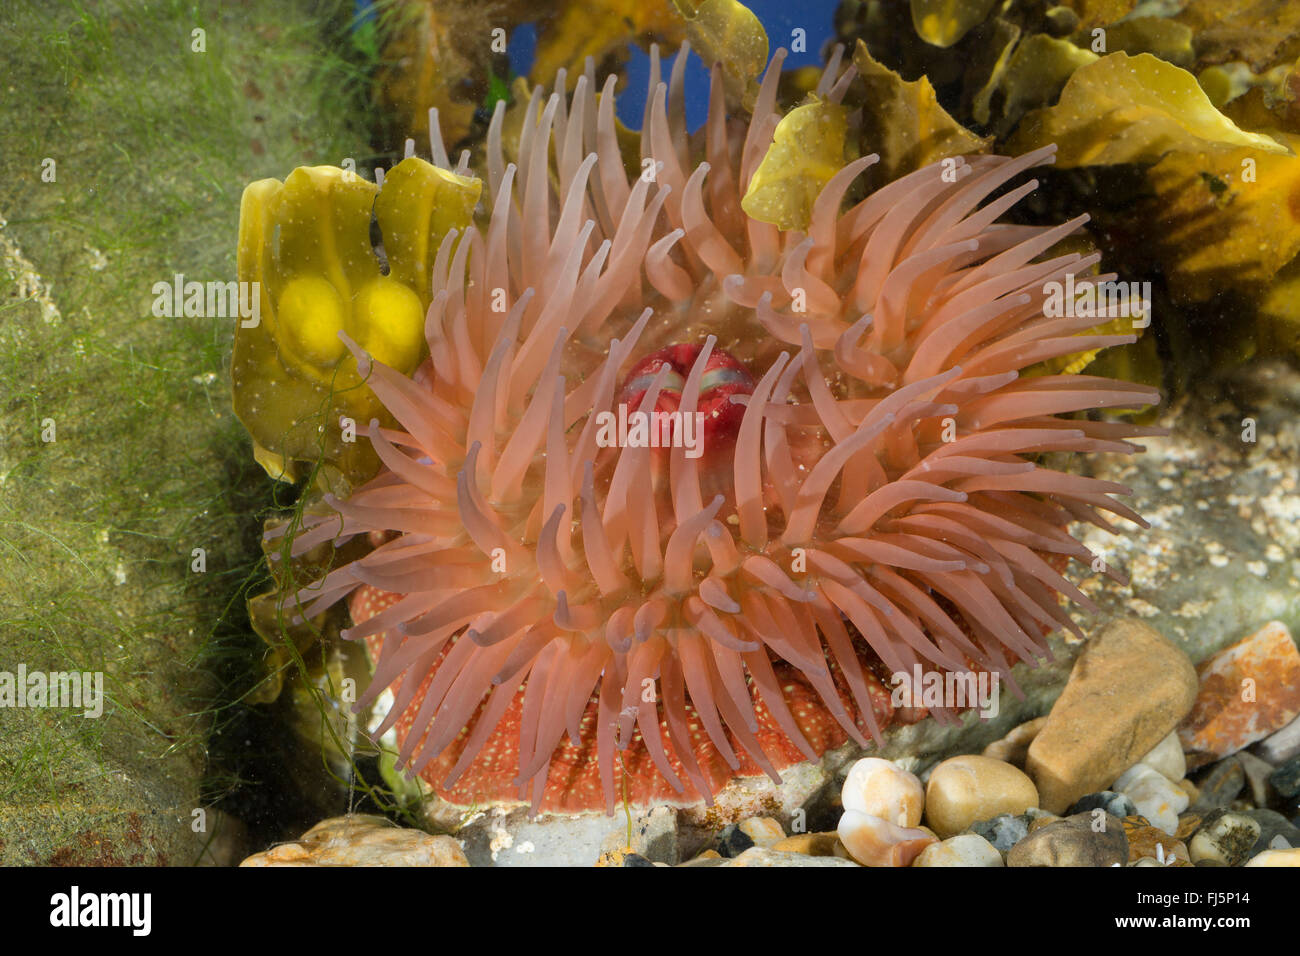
(807, 150)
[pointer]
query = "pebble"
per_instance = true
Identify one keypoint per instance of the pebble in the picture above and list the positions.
(1014, 747)
(1116, 804)
(1224, 838)
(654, 837)
(1073, 842)
(965, 849)
(813, 844)
(1003, 831)
(968, 788)
(1039, 818)
(1167, 758)
(1128, 689)
(1188, 823)
(1275, 858)
(1154, 795)
(363, 840)
(872, 841)
(1281, 746)
(880, 788)
(1272, 828)
(1148, 842)
(766, 856)
(1221, 785)
(1247, 692)
(1286, 779)
(764, 831)
(1257, 773)
(733, 841)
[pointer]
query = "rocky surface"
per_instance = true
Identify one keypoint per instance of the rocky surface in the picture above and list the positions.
(360, 840)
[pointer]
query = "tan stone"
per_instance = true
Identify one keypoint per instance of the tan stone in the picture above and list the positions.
(361, 840)
(812, 844)
(965, 849)
(966, 789)
(764, 831)
(766, 856)
(1276, 858)
(1128, 689)
(1014, 747)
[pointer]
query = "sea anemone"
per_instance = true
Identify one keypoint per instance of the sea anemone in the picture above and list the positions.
(868, 497)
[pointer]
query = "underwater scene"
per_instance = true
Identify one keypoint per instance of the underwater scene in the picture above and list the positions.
(651, 433)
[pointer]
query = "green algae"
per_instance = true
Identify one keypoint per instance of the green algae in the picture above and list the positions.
(152, 143)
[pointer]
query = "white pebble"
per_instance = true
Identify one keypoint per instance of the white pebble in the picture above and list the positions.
(1156, 797)
(1167, 758)
(876, 842)
(879, 788)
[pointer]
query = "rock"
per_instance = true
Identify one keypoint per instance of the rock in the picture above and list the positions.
(1257, 772)
(361, 840)
(1146, 841)
(764, 831)
(1116, 804)
(872, 841)
(813, 844)
(1275, 858)
(1154, 795)
(1188, 823)
(766, 856)
(1014, 747)
(1247, 692)
(1128, 689)
(1273, 827)
(1039, 818)
(733, 841)
(1286, 779)
(707, 858)
(1189, 788)
(1167, 758)
(1073, 842)
(1003, 831)
(654, 837)
(1282, 746)
(965, 849)
(880, 788)
(1225, 838)
(1220, 785)
(968, 788)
